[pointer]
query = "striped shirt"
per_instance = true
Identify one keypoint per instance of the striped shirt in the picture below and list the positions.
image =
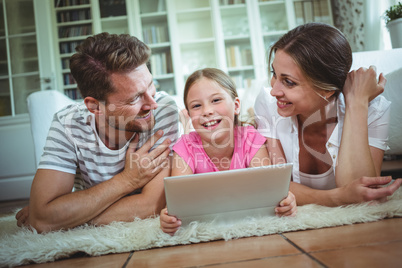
(73, 145)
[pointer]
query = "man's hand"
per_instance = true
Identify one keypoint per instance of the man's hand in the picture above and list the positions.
(141, 165)
(23, 217)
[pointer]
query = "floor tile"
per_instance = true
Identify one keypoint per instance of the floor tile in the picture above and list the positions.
(213, 252)
(110, 260)
(299, 260)
(377, 255)
(348, 236)
(7, 207)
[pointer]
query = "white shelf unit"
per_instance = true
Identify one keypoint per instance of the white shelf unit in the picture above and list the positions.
(185, 35)
(73, 23)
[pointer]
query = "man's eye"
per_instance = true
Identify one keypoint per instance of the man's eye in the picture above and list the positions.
(136, 99)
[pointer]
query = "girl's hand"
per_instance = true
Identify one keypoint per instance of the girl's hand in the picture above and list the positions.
(169, 224)
(362, 85)
(287, 207)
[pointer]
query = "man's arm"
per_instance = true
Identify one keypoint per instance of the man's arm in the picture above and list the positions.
(53, 206)
(148, 203)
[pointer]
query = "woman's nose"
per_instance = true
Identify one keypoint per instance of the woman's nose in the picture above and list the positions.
(276, 88)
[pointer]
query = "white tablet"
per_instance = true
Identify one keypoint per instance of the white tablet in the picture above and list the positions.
(227, 196)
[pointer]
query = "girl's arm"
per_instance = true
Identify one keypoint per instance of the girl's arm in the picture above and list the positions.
(170, 224)
(261, 158)
(356, 158)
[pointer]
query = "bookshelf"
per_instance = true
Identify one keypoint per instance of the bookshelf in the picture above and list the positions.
(186, 35)
(73, 24)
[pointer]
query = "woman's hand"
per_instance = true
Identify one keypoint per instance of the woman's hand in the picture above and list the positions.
(169, 224)
(287, 207)
(362, 85)
(368, 189)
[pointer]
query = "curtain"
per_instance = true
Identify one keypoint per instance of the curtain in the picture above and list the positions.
(362, 23)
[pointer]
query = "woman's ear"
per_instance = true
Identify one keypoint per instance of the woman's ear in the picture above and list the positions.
(93, 105)
(237, 105)
(329, 94)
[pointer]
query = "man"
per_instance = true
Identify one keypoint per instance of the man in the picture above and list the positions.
(117, 140)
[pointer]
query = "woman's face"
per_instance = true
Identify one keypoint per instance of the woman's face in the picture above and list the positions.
(294, 93)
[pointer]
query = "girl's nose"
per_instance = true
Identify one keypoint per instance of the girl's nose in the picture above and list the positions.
(208, 110)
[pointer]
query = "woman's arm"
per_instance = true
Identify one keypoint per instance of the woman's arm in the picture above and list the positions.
(356, 158)
(359, 190)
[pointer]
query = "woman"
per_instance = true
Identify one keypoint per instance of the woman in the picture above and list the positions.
(324, 119)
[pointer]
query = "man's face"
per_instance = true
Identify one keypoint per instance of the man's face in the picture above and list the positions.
(130, 107)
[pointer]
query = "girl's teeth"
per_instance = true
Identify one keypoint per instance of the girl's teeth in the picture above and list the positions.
(208, 124)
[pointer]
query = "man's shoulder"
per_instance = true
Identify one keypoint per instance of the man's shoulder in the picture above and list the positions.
(167, 106)
(73, 114)
(162, 97)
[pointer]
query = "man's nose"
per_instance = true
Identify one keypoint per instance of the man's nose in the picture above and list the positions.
(149, 102)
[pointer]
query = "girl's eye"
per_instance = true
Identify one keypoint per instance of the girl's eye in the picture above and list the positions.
(216, 100)
(195, 106)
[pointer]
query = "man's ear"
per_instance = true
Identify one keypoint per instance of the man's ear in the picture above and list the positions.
(93, 105)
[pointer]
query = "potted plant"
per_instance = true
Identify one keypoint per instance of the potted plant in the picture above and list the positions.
(393, 21)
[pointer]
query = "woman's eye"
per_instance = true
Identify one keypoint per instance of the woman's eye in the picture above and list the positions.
(289, 83)
(273, 74)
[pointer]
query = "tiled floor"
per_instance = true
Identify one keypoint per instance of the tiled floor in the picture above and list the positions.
(376, 244)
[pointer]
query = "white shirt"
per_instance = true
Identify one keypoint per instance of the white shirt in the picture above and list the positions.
(272, 125)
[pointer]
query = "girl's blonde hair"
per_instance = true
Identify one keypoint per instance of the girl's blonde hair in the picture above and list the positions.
(216, 75)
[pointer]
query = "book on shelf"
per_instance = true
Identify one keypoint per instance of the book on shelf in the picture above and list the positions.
(67, 3)
(238, 56)
(161, 63)
(161, 6)
(73, 31)
(74, 15)
(155, 34)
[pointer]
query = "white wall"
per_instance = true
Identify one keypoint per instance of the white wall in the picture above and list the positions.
(17, 161)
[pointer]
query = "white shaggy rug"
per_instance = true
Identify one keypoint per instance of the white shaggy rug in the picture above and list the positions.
(21, 246)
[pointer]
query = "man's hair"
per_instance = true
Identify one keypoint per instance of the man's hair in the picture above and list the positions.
(101, 55)
(321, 52)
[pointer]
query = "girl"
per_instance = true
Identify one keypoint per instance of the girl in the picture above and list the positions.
(218, 142)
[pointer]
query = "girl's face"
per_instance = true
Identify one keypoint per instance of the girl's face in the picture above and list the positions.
(294, 93)
(212, 110)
